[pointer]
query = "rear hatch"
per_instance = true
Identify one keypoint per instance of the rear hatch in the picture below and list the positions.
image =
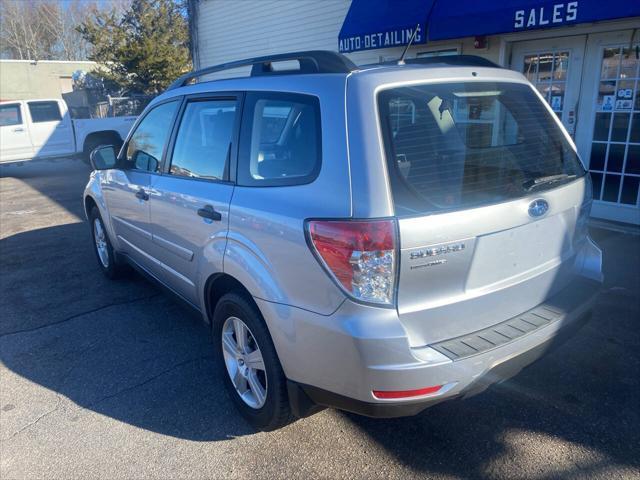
(489, 196)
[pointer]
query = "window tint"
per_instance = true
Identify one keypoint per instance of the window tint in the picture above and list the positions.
(10, 115)
(144, 151)
(459, 145)
(44, 112)
(281, 140)
(203, 143)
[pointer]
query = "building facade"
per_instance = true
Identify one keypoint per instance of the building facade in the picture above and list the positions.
(583, 56)
(23, 79)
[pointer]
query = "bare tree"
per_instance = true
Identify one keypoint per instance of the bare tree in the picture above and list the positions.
(11, 36)
(48, 29)
(70, 44)
(25, 28)
(47, 16)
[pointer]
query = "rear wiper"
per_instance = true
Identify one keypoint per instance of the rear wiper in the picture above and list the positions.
(540, 181)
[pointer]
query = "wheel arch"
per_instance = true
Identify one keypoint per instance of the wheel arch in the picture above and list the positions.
(94, 138)
(89, 203)
(93, 198)
(218, 285)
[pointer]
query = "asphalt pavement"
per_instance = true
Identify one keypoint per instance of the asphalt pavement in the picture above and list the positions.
(102, 379)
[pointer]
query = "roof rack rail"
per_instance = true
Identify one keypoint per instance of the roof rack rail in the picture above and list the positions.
(453, 60)
(312, 61)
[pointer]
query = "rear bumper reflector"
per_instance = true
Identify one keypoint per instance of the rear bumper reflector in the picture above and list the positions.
(406, 393)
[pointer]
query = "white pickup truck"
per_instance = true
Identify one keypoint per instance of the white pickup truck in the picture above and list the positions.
(43, 128)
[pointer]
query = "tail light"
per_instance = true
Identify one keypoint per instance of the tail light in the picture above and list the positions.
(359, 255)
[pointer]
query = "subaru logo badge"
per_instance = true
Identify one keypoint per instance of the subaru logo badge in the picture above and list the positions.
(538, 208)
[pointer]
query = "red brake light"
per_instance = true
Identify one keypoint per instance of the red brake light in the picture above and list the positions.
(359, 254)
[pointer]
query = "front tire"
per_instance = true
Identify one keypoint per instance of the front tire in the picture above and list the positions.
(108, 261)
(249, 365)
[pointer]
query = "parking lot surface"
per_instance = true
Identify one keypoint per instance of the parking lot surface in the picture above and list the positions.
(116, 379)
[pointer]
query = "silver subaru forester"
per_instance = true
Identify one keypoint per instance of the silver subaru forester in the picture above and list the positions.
(375, 239)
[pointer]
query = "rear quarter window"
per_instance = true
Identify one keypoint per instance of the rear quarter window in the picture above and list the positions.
(280, 140)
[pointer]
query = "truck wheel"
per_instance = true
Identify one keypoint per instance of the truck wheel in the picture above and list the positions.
(249, 365)
(88, 148)
(94, 142)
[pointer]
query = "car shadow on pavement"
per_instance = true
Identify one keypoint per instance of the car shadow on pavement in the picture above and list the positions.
(122, 349)
(131, 353)
(584, 392)
(60, 180)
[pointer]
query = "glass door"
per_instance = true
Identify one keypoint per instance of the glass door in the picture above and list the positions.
(610, 136)
(554, 67)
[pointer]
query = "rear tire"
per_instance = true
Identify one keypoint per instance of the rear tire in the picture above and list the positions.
(110, 263)
(263, 413)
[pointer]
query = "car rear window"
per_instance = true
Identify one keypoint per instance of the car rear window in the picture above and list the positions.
(453, 146)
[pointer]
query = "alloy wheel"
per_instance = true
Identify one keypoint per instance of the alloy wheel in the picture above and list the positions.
(100, 238)
(244, 362)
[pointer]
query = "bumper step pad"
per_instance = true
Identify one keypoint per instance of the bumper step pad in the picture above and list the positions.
(553, 310)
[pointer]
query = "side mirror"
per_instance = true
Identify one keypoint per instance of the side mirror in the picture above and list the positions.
(103, 157)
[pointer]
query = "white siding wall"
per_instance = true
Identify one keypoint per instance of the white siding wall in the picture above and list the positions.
(235, 29)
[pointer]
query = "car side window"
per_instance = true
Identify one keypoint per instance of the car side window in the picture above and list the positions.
(281, 140)
(44, 112)
(10, 115)
(146, 145)
(203, 143)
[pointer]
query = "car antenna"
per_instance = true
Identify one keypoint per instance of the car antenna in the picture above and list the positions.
(411, 39)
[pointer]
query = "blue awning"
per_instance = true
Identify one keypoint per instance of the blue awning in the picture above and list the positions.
(389, 23)
(383, 23)
(466, 18)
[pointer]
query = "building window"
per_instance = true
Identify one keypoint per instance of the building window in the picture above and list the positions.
(548, 73)
(439, 53)
(615, 148)
(427, 54)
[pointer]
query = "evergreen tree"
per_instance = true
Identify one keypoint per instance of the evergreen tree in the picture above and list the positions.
(143, 49)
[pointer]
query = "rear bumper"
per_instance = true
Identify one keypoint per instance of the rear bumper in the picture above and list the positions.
(466, 376)
(339, 360)
(306, 399)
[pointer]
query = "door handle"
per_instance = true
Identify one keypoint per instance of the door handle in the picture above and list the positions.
(209, 213)
(142, 195)
(18, 129)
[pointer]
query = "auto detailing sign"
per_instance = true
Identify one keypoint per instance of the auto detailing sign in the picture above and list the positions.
(546, 16)
(391, 38)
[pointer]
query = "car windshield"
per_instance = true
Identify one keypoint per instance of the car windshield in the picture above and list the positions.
(460, 145)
